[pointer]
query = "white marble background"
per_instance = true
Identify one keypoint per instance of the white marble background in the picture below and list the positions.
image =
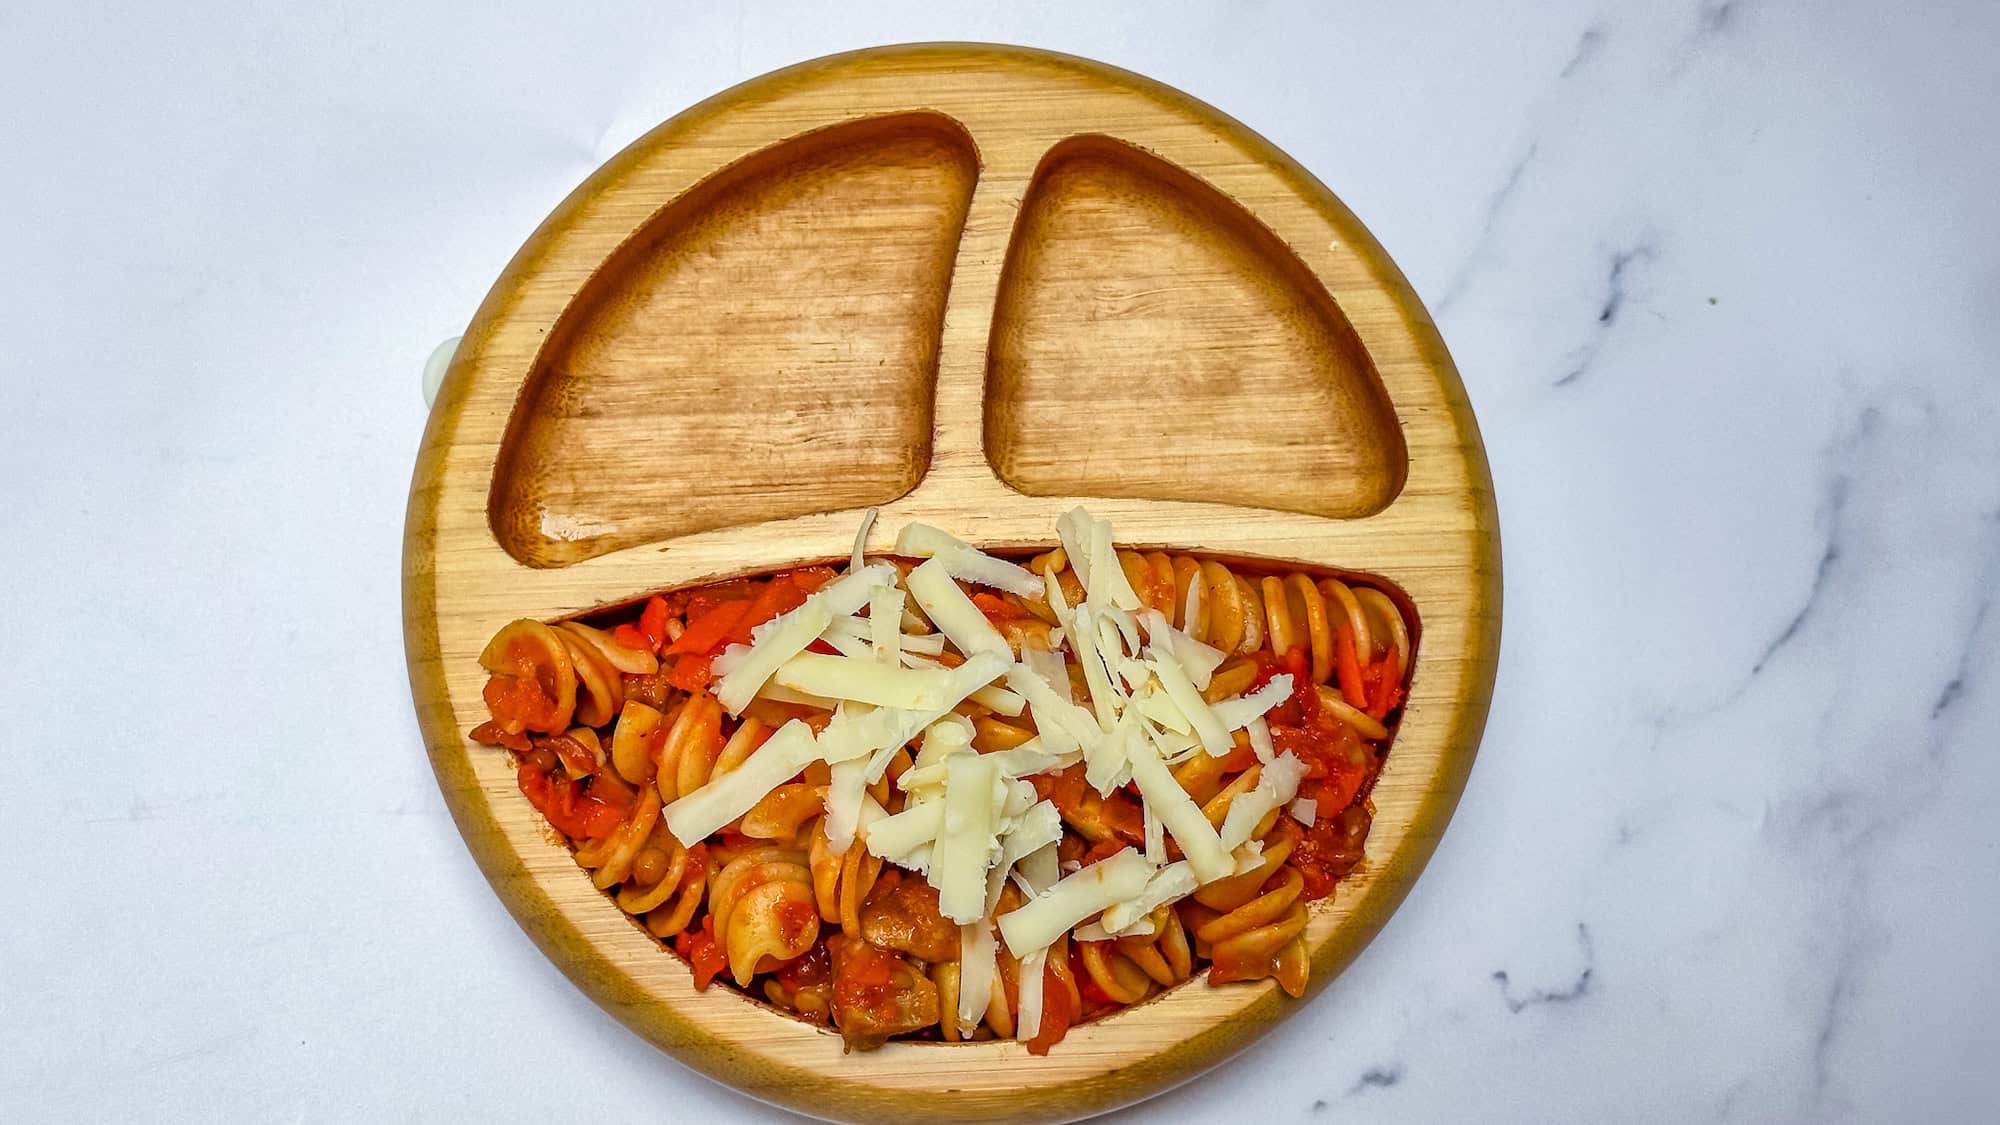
(1722, 280)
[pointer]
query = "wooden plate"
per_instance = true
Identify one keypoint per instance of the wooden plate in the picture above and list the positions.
(973, 286)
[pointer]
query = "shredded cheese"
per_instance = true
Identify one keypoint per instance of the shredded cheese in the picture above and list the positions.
(1064, 726)
(1109, 586)
(862, 680)
(977, 959)
(1154, 704)
(1000, 701)
(966, 845)
(788, 634)
(885, 625)
(1074, 898)
(897, 836)
(952, 611)
(1235, 714)
(702, 813)
(1082, 637)
(1021, 761)
(778, 693)
(1182, 818)
(963, 561)
(1198, 659)
(1277, 784)
(861, 538)
(1108, 764)
(1171, 883)
(1174, 681)
(844, 797)
(1260, 739)
(1033, 977)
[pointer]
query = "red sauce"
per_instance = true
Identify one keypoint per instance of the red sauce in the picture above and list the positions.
(1330, 849)
(703, 952)
(812, 969)
(565, 806)
(795, 918)
(1057, 1013)
(521, 703)
(867, 982)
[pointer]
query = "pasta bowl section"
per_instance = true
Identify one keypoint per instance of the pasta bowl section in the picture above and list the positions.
(1175, 537)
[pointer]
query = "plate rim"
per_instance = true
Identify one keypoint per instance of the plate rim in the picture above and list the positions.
(586, 962)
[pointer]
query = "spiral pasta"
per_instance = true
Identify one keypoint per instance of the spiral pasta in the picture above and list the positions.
(614, 721)
(841, 880)
(762, 905)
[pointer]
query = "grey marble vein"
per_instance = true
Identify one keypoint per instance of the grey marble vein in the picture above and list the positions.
(1577, 990)
(1376, 1078)
(1713, 20)
(1953, 692)
(1496, 206)
(1588, 45)
(1835, 511)
(1617, 289)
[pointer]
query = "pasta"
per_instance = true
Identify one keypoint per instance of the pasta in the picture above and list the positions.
(962, 797)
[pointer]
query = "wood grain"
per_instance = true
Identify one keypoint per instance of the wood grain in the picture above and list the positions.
(563, 469)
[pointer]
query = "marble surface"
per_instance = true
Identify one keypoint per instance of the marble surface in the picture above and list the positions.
(1722, 280)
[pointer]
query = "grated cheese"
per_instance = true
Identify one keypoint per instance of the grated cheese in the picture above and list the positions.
(1000, 701)
(844, 797)
(1235, 714)
(1052, 913)
(1277, 784)
(1171, 883)
(897, 836)
(1064, 726)
(952, 611)
(1260, 739)
(978, 957)
(1033, 977)
(1174, 681)
(1178, 813)
(861, 679)
(966, 845)
(861, 538)
(788, 634)
(1108, 764)
(885, 625)
(702, 813)
(964, 561)
(1200, 660)
(1082, 638)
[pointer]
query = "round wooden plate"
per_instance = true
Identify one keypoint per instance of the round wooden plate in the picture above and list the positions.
(972, 286)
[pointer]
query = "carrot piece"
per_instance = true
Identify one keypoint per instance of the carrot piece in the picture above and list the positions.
(998, 609)
(706, 633)
(1384, 693)
(1241, 756)
(693, 670)
(1347, 668)
(703, 952)
(653, 623)
(1340, 787)
(1056, 1013)
(777, 596)
(810, 578)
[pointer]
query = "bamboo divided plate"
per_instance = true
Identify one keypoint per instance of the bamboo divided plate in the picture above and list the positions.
(973, 286)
